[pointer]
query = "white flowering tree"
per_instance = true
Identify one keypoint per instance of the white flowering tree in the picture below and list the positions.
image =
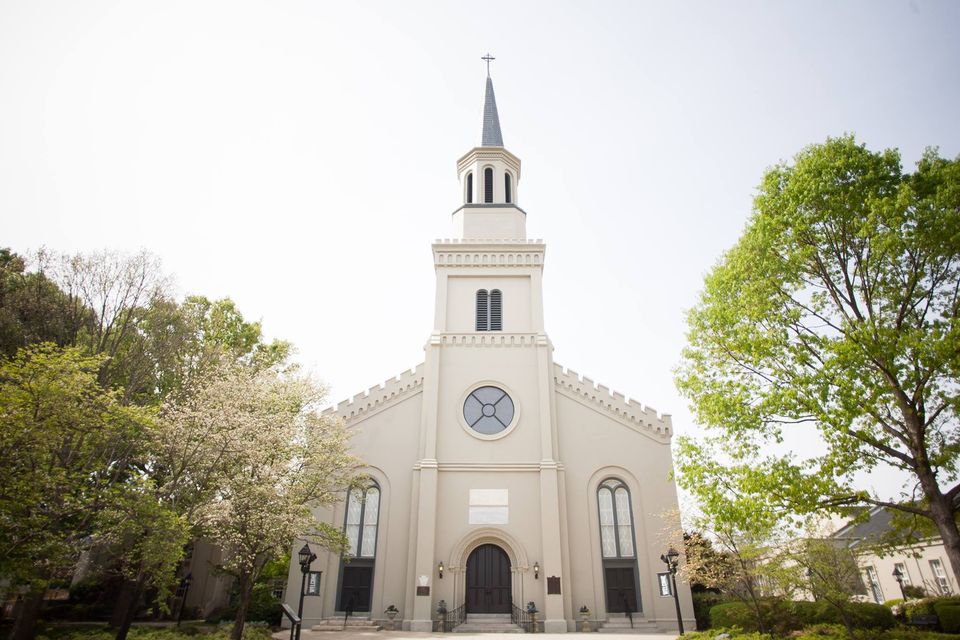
(275, 458)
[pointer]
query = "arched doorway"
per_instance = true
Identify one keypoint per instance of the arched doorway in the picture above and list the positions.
(488, 580)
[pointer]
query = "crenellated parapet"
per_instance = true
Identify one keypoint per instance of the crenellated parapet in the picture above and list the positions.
(488, 253)
(582, 388)
(379, 396)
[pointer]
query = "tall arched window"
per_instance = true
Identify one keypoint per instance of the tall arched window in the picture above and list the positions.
(469, 187)
(507, 190)
(616, 520)
(489, 310)
(363, 510)
(488, 184)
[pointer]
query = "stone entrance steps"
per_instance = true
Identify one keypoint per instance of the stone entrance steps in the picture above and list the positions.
(487, 623)
(353, 623)
(619, 623)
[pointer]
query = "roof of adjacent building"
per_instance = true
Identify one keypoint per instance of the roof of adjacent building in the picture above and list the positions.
(491, 136)
(870, 530)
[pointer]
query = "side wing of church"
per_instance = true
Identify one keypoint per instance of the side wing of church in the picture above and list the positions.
(497, 476)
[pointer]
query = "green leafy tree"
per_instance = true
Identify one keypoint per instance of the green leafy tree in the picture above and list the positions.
(827, 569)
(33, 309)
(279, 459)
(834, 318)
(66, 450)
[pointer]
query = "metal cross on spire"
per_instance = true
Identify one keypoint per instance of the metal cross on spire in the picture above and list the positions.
(488, 58)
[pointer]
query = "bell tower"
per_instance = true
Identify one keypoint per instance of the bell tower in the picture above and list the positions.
(489, 175)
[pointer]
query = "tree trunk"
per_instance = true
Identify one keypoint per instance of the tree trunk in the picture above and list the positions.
(845, 616)
(246, 587)
(25, 626)
(131, 611)
(942, 513)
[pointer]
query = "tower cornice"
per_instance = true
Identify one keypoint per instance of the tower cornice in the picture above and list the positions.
(489, 154)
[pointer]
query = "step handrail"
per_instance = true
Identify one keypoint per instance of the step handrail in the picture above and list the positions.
(295, 620)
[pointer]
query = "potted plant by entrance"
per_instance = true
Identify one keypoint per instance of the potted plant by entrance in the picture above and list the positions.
(392, 613)
(584, 618)
(532, 610)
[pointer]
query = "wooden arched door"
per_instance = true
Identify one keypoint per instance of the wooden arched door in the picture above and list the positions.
(488, 580)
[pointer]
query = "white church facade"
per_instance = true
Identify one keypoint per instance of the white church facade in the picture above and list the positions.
(496, 476)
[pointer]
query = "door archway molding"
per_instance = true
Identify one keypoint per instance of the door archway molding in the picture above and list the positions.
(457, 562)
(488, 535)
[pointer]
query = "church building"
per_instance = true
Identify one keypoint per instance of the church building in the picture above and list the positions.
(498, 477)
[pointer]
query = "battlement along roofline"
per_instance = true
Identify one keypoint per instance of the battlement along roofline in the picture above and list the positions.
(613, 403)
(379, 396)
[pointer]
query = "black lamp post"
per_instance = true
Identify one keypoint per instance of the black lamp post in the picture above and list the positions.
(185, 583)
(305, 556)
(671, 559)
(898, 576)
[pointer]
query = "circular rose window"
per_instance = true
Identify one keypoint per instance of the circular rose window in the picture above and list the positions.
(488, 410)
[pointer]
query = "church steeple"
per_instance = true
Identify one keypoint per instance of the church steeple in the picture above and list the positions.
(491, 119)
(489, 176)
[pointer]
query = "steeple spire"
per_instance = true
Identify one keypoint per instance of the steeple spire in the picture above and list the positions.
(491, 120)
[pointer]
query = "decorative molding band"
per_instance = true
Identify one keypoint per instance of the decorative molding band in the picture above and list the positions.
(573, 385)
(492, 258)
(489, 339)
(380, 396)
(493, 241)
(486, 466)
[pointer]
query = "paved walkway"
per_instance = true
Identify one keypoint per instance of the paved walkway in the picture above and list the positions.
(401, 635)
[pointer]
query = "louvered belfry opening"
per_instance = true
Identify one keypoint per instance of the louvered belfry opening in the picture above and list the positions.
(507, 191)
(496, 310)
(469, 188)
(489, 310)
(482, 310)
(488, 185)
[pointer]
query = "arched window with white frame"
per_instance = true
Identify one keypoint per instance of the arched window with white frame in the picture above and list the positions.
(361, 523)
(618, 547)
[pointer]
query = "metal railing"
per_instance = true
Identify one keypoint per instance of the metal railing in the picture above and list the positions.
(446, 622)
(295, 621)
(522, 619)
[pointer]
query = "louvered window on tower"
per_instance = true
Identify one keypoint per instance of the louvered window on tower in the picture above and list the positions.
(488, 185)
(483, 310)
(507, 191)
(469, 188)
(496, 310)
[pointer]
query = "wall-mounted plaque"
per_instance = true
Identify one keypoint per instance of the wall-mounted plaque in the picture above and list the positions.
(423, 591)
(553, 586)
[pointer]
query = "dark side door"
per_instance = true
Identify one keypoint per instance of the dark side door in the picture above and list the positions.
(355, 588)
(621, 589)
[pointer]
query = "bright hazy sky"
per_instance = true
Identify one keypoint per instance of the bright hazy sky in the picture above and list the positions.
(299, 157)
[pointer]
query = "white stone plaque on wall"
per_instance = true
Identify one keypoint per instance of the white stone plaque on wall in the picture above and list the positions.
(489, 506)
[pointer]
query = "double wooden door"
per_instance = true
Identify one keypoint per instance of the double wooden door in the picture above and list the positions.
(355, 588)
(488, 580)
(621, 589)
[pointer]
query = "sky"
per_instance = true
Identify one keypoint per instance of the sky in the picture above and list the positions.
(300, 156)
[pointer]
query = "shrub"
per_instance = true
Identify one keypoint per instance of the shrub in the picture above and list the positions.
(914, 591)
(733, 614)
(263, 607)
(780, 617)
(703, 601)
(949, 614)
(777, 615)
(927, 606)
